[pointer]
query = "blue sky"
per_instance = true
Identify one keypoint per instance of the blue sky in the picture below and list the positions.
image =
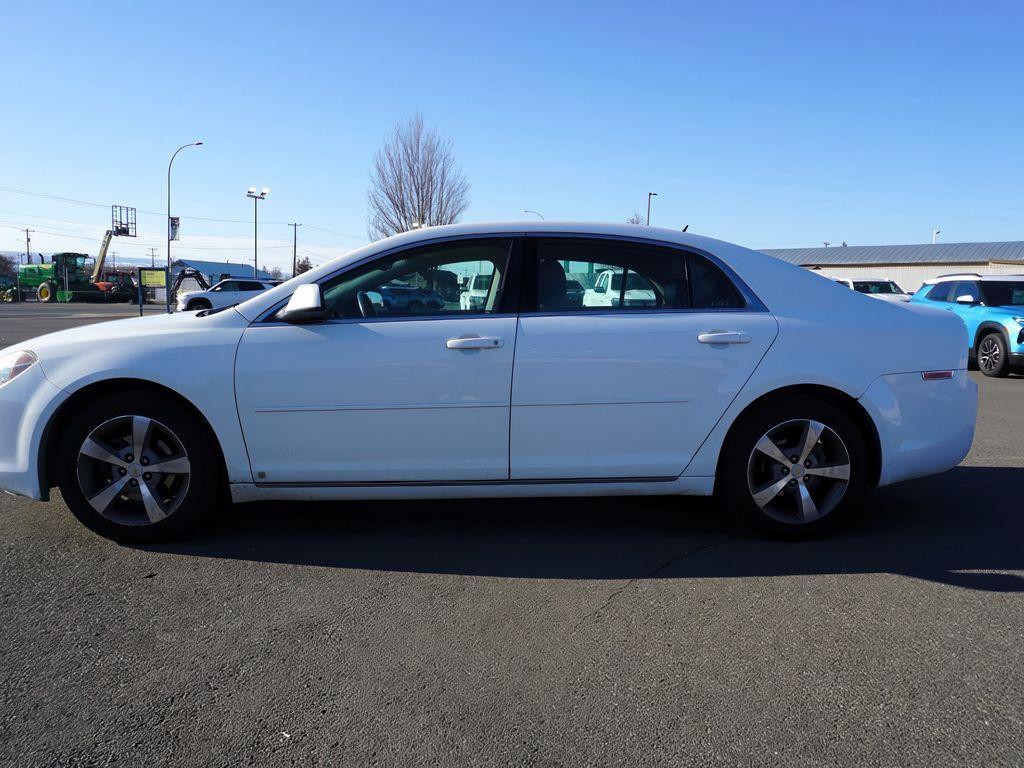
(769, 124)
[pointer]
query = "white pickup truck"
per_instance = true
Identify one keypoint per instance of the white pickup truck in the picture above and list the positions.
(474, 296)
(607, 291)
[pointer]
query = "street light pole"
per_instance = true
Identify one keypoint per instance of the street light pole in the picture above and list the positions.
(649, 196)
(536, 213)
(167, 280)
(256, 197)
(295, 246)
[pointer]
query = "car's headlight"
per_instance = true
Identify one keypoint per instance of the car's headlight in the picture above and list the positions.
(1019, 320)
(14, 364)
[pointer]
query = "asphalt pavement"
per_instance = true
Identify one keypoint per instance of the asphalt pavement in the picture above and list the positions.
(626, 632)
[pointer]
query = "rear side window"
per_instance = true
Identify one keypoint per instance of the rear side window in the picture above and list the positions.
(581, 275)
(710, 288)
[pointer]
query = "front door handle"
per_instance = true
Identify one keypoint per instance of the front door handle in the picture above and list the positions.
(475, 342)
(723, 337)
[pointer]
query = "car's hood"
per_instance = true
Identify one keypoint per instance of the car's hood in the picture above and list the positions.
(152, 331)
(895, 298)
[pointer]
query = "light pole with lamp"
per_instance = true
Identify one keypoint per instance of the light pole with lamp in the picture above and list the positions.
(649, 196)
(168, 278)
(256, 197)
(537, 213)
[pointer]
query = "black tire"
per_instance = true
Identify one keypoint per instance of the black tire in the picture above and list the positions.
(991, 354)
(47, 293)
(198, 304)
(205, 486)
(738, 459)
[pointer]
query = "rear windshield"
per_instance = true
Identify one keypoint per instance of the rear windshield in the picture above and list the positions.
(1003, 293)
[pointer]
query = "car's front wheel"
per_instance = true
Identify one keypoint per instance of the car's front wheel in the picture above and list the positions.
(197, 304)
(138, 467)
(991, 355)
(794, 468)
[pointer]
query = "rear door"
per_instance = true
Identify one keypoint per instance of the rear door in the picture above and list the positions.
(631, 389)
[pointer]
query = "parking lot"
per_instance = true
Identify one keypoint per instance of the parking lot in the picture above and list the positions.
(641, 631)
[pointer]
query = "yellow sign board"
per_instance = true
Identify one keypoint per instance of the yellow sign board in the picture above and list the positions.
(154, 278)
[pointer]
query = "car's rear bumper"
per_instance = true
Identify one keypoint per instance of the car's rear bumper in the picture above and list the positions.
(924, 427)
(26, 405)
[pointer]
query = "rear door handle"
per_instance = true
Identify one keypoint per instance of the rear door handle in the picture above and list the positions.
(723, 337)
(475, 342)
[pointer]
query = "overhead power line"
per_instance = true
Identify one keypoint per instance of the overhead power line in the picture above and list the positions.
(162, 214)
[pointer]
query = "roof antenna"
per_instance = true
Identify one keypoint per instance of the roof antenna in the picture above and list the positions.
(826, 243)
(686, 227)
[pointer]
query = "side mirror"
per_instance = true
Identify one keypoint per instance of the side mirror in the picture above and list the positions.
(305, 305)
(600, 289)
(966, 299)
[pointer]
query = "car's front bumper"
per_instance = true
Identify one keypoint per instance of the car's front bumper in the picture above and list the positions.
(26, 405)
(924, 427)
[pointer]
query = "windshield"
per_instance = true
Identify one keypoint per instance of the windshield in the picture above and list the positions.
(1003, 293)
(876, 286)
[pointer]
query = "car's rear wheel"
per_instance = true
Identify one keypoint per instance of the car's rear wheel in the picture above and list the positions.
(794, 468)
(138, 467)
(991, 355)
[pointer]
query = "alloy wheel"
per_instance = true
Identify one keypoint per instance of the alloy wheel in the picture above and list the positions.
(989, 354)
(798, 471)
(133, 470)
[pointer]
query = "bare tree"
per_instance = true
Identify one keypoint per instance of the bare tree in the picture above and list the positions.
(636, 218)
(7, 266)
(276, 274)
(415, 181)
(303, 265)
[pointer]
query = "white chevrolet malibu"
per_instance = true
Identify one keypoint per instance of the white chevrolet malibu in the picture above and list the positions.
(786, 394)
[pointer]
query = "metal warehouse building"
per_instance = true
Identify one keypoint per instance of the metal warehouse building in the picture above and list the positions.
(909, 265)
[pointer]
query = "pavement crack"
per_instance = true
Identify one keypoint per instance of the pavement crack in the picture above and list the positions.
(650, 575)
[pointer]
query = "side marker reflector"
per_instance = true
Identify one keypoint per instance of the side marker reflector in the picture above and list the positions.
(936, 375)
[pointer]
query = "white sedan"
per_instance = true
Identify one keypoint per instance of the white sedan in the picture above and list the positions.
(223, 294)
(786, 394)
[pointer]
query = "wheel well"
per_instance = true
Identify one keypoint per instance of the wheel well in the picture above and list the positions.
(985, 330)
(55, 427)
(839, 399)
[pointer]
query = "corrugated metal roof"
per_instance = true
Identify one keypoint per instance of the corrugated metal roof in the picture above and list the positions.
(940, 253)
(218, 268)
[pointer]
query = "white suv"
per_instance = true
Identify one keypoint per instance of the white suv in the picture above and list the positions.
(607, 291)
(226, 293)
(474, 297)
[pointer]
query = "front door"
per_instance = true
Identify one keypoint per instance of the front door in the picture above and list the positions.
(629, 384)
(401, 384)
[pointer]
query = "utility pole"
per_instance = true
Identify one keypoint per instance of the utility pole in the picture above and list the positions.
(152, 257)
(28, 241)
(295, 246)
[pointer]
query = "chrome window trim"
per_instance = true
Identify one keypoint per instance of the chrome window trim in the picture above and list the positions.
(753, 302)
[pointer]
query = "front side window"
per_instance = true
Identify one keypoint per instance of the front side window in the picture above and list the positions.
(227, 285)
(965, 288)
(443, 279)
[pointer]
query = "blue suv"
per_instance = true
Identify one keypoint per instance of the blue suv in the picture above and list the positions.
(992, 308)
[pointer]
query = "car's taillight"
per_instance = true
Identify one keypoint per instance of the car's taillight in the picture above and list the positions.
(936, 375)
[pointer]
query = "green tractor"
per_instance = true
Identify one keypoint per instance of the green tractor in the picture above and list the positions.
(64, 278)
(68, 277)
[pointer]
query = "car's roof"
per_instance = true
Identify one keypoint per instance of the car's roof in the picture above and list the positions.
(971, 276)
